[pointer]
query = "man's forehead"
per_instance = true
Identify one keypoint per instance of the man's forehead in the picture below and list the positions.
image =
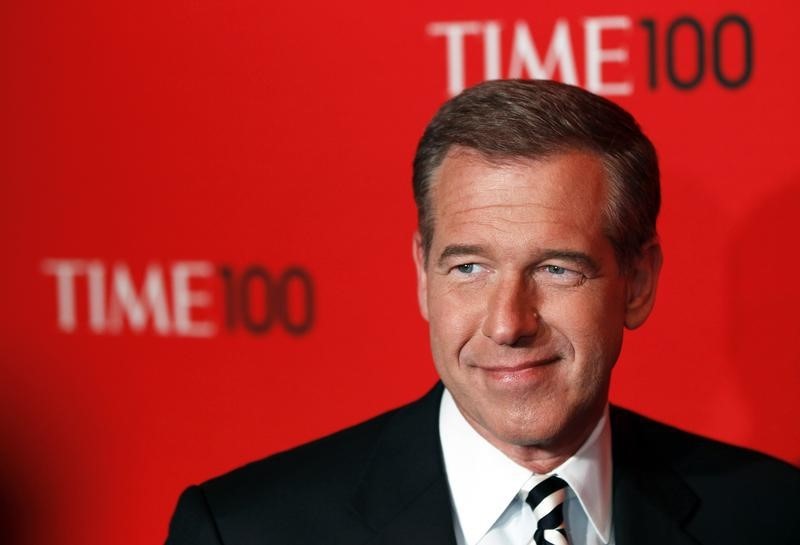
(519, 206)
(468, 178)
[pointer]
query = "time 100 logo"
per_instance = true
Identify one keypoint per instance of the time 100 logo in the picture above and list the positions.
(681, 51)
(179, 298)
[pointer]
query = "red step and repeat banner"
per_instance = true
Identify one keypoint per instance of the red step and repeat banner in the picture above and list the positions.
(206, 224)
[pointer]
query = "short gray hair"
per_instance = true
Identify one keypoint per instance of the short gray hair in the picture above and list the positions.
(506, 119)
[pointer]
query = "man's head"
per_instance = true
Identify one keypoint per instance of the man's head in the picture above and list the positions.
(535, 119)
(536, 248)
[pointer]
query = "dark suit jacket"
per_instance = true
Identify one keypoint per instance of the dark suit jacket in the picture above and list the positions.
(383, 482)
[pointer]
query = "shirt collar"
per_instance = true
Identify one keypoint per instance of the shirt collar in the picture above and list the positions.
(588, 473)
(483, 483)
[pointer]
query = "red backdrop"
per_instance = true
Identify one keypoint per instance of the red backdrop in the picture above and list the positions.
(207, 217)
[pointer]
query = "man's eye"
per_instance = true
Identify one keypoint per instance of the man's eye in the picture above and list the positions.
(467, 268)
(561, 275)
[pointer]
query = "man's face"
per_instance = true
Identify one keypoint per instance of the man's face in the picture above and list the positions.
(524, 297)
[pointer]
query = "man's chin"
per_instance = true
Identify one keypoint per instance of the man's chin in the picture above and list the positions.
(518, 430)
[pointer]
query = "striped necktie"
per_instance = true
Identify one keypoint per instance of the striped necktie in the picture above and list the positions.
(547, 501)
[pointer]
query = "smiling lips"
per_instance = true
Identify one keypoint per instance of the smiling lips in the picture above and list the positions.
(518, 368)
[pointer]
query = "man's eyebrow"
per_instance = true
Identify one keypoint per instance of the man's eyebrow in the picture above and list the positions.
(455, 250)
(571, 255)
(459, 250)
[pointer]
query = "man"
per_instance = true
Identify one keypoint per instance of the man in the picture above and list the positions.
(536, 247)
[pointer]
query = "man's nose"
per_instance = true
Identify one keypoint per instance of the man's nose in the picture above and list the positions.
(511, 315)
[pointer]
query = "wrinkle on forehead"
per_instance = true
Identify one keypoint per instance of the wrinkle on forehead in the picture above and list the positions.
(494, 198)
(503, 206)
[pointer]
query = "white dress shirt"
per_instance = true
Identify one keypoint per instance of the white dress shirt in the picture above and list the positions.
(488, 489)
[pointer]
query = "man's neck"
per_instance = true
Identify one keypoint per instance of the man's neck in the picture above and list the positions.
(547, 455)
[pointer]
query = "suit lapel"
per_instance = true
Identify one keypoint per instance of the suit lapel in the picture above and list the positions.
(403, 495)
(652, 503)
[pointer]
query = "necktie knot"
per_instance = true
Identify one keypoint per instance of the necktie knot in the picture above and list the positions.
(547, 502)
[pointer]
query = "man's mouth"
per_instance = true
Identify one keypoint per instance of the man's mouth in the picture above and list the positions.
(517, 367)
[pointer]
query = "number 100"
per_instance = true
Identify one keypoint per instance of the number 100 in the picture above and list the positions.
(728, 24)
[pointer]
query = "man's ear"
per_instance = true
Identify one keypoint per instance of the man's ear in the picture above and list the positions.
(642, 283)
(422, 277)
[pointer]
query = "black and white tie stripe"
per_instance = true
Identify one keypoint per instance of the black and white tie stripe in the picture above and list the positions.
(547, 501)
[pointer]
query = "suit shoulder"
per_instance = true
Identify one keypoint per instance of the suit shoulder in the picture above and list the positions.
(719, 493)
(701, 459)
(327, 469)
(271, 497)
(312, 464)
